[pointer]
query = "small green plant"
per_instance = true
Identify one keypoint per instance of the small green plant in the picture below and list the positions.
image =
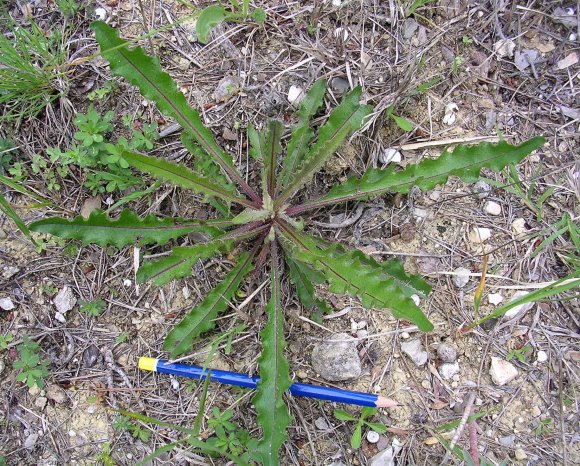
(415, 5)
(213, 15)
(32, 69)
(121, 338)
(7, 152)
(543, 427)
(401, 122)
(520, 354)
(105, 455)
(123, 423)
(271, 219)
(33, 370)
(92, 308)
(229, 437)
(564, 226)
(68, 8)
(4, 340)
(102, 92)
(361, 422)
(457, 61)
(467, 40)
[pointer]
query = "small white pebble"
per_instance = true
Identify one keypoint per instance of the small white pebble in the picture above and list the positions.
(454, 384)
(174, 384)
(405, 335)
(145, 103)
(101, 14)
(361, 324)
(295, 95)
(460, 277)
(478, 402)
(60, 317)
(572, 37)
(372, 436)
(492, 208)
(72, 433)
(127, 283)
(519, 226)
(479, 235)
(416, 299)
(542, 356)
(449, 119)
(6, 304)
(494, 298)
(480, 14)
(451, 107)
(390, 155)
(336, 3)
(129, 456)
(186, 293)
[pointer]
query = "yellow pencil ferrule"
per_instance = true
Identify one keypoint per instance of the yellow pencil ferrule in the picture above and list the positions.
(148, 364)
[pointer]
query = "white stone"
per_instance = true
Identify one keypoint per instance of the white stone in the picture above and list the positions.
(6, 304)
(536, 412)
(372, 436)
(295, 95)
(504, 48)
(502, 372)
(448, 370)
(321, 423)
(519, 227)
(572, 37)
(520, 454)
(101, 14)
(449, 119)
(65, 300)
(405, 335)
(542, 356)
(520, 308)
(186, 293)
(127, 283)
(30, 441)
(479, 235)
(414, 349)
(492, 208)
(336, 3)
(390, 155)
(460, 277)
(494, 298)
(482, 189)
(60, 317)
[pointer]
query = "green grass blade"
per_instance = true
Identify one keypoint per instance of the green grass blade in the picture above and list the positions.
(8, 210)
(344, 119)
(156, 85)
(182, 176)
(273, 416)
(125, 230)
(464, 162)
(351, 272)
(201, 318)
(302, 134)
(179, 263)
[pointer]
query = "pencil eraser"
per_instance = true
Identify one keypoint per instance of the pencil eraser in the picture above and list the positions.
(148, 364)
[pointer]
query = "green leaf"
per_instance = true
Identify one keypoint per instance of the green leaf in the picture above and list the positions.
(250, 215)
(352, 272)
(379, 428)
(355, 440)
(10, 212)
(209, 18)
(402, 123)
(125, 230)
(344, 119)
(201, 318)
(304, 279)
(270, 151)
(255, 143)
(156, 85)
(302, 133)
(179, 263)
(273, 416)
(344, 416)
(259, 15)
(464, 162)
(181, 176)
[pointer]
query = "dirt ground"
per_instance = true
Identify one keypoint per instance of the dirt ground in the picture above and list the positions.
(509, 68)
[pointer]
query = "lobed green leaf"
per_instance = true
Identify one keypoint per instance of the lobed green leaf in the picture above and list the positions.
(464, 162)
(344, 119)
(302, 134)
(351, 272)
(201, 318)
(125, 230)
(304, 279)
(273, 416)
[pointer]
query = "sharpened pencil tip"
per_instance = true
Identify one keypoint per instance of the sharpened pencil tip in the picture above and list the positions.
(383, 402)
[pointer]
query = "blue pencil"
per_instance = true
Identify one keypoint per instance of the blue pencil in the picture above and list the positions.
(242, 380)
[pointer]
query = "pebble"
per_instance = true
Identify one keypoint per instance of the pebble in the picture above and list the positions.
(492, 208)
(2, 365)
(479, 235)
(321, 423)
(414, 349)
(336, 358)
(425, 384)
(446, 353)
(536, 412)
(449, 119)
(339, 85)
(460, 277)
(9, 271)
(494, 298)
(302, 375)
(185, 292)
(30, 441)
(502, 372)
(3, 234)
(362, 333)
(6, 304)
(56, 394)
(226, 88)
(101, 14)
(520, 454)
(410, 26)
(507, 440)
(520, 308)
(295, 95)
(449, 370)
(482, 189)
(127, 283)
(65, 300)
(390, 156)
(372, 436)
(405, 335)
(519, 227)
(40, 402)
(542, 356)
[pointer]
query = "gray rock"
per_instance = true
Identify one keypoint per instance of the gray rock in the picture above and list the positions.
(30, 441)
(3, 234)
(482, 189)
(90, 356)
(321, 423)
(414, 349)
(410, 26)
(226, 88)
(507, 440)
(6, 304)
(448, 370)
(9, 271)
(446, 353)
(336, 358)
(56, 394)
(65, 300)
(461, 277)
(2, 365)
(40, 402)
(339, 85)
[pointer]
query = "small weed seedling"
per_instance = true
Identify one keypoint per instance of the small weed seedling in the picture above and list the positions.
(214, 15)
(33, 370)
(123, 423)
(361, 421)
(229, 437)
(543, 427)
(520, 354)
(4, 340)
(92, 308)
(254, 225)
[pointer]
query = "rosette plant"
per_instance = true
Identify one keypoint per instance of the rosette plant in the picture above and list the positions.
(261, 225)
